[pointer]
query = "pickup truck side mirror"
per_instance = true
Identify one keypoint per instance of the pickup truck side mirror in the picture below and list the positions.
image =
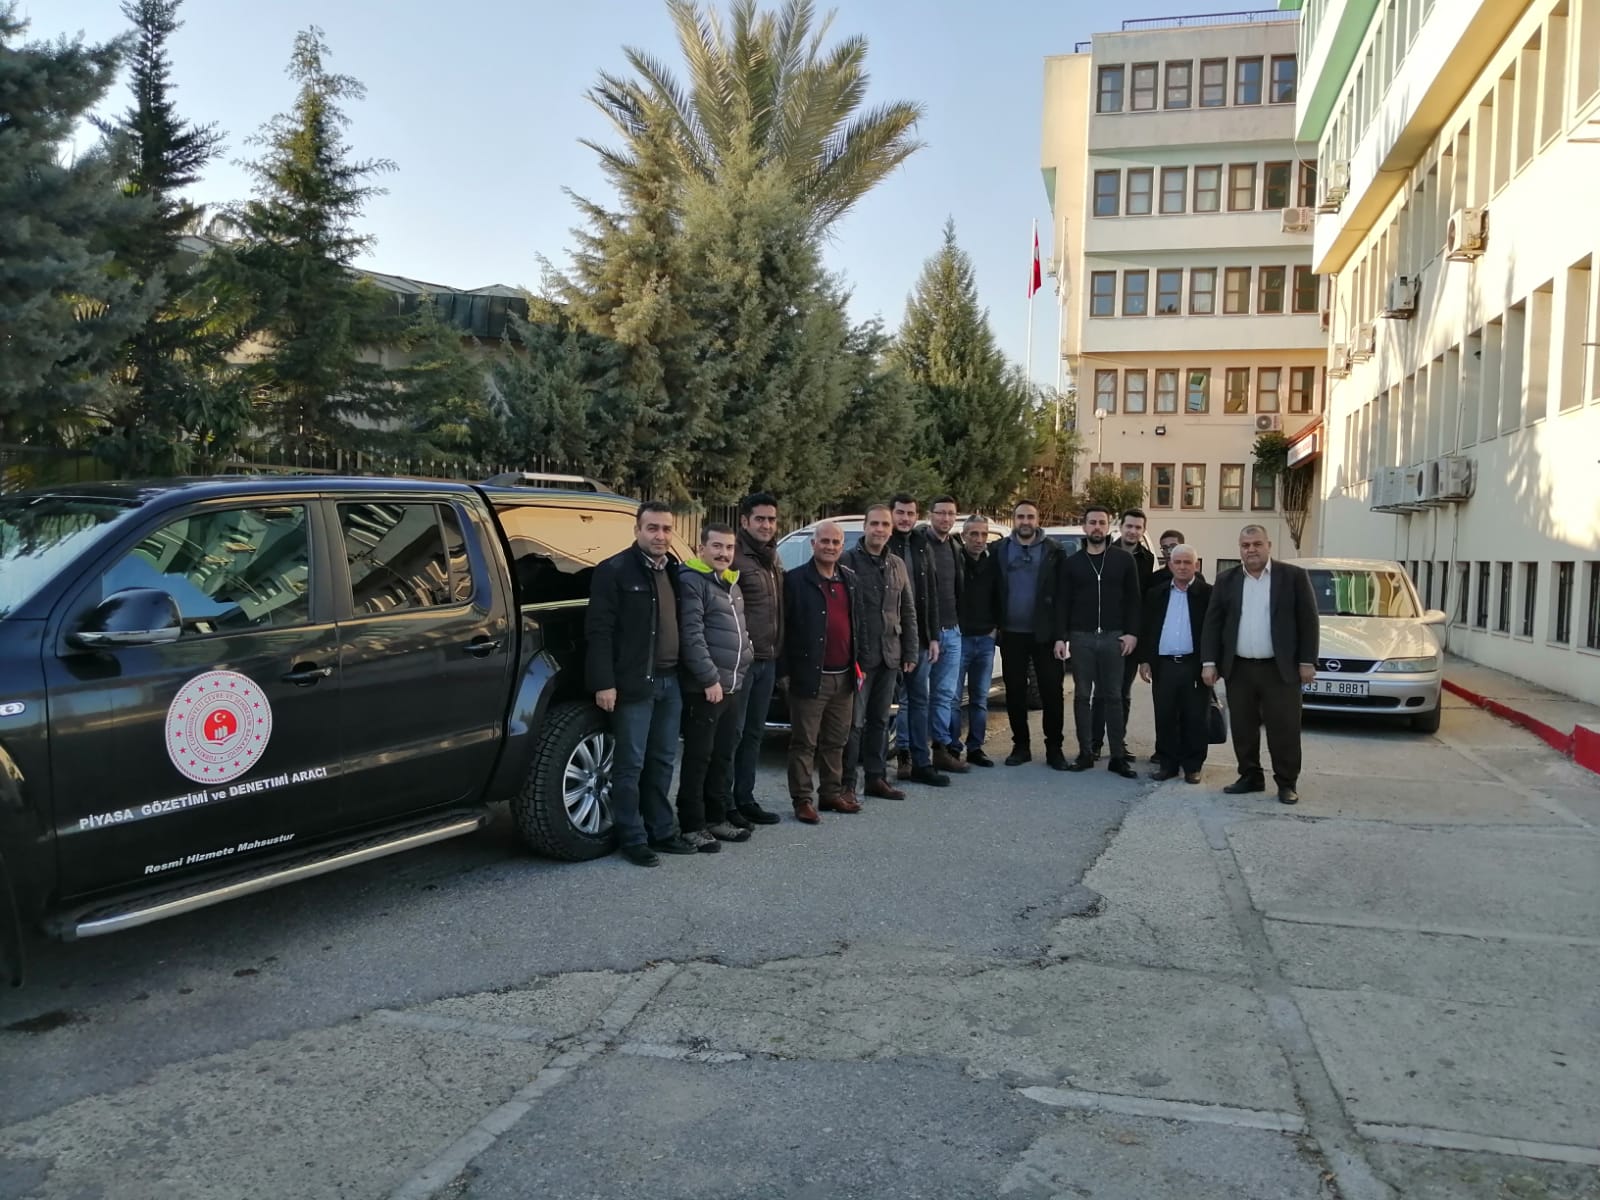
(131, 617)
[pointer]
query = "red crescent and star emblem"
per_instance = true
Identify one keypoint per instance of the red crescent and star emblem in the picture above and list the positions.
(218, 726)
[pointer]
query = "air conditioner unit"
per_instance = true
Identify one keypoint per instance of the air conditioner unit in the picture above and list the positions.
(1366, 343)
(1402, 298)
(1450, 479)
(1269, 423)
(1339, 361)
(1335, 186)
(1427, 484)
(1467, 235)
(1385, 487)
(1411, 495)
(1299, 220)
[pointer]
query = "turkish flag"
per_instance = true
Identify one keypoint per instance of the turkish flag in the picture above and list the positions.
(1035, 280)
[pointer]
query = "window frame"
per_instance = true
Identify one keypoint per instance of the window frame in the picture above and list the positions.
(1147, 194)
(1215, 193)
(1236, 391)
(1096, 278)
(1209, 291)
(1137, 473)
(1166, 193)
(1184, 485)
(1153, 91)
(1097, 194)
(1191, 388)
(1270, 299)
(1310, 392)
(1263, 482)
(1169, 87)
(1163, 273)
(1275, 84)
(1284, 188)
(1140, 293)
(1156, 485)
(1234, 188)
(1220, 84)
(1163, 374)
(1306, 287)
(1224, 487)
(1107, 71)
(1263, 391)
(1129, 392)
(454, 603)
(1245, 294)
(1105, 399)
(1241, 83)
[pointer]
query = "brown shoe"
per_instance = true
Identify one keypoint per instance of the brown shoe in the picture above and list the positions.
(902, 767)
(805, 811)
(844, 802)
(884, 790)
(943, 760)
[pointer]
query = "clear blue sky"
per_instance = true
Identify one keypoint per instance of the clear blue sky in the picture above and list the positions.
(481, 105)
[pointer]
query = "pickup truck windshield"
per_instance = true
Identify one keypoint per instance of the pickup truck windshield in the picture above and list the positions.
(39, 534)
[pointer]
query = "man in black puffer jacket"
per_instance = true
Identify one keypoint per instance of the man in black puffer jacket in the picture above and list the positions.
(714, 661)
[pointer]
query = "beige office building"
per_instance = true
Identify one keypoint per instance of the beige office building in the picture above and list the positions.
(1459, 146)
(1181, 214)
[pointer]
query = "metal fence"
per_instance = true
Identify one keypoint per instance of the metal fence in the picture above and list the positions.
(1201, 20)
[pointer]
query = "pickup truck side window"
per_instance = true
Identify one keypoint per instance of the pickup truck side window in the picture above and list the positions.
(228, 569)
(399, 557)
(553, 548)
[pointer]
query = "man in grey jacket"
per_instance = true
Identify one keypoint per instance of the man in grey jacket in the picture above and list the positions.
(714, 661)
(888, 650)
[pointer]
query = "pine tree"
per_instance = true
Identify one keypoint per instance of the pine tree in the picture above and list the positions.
(976, 411)
(175, 364)
(62, 314)
(319, 385)
(447, 412)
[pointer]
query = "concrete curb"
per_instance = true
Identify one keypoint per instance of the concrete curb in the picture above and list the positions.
(1581, 743)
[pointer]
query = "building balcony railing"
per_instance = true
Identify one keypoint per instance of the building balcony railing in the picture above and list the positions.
(1200, 20)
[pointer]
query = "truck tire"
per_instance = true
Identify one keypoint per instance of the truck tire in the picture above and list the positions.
(563, 810)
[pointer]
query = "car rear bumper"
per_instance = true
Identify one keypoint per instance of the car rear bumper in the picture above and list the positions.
(1398, 695)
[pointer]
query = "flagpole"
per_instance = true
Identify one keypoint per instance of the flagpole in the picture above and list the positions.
(1033, 250)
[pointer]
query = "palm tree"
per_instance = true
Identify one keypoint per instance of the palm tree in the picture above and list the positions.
(764, 89)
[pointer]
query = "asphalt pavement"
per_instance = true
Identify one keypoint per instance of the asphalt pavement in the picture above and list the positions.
(1028, 985)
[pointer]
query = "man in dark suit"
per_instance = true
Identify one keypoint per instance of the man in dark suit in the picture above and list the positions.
(1169, 654)
(1260, 635)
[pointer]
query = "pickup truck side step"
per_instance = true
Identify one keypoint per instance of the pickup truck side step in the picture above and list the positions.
(142, 910)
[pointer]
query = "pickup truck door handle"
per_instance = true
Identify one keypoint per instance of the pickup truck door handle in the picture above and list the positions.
(482, 647)
(304, 674)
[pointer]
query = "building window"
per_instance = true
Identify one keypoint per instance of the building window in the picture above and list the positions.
(1135, 293)
(1302, 389)
(1480, 617)
(1142, 98)
(1269, 296)
(1462, 592)
(1141, 180)
(1169, 292)
(1263, 489)
(1236, 390)
(1241, 187)
(1591, 637)
(1096, 470)
(1105, 391)
(1161, 485)
(1110, 100)
(1103, 294)
(1236, 290)
(1207, 189)
(1308, 186)
(1194, 485)
(1134, 387)
(1180, 76)
(1276, 178)
(1530, 596)
(1231, 495)
(1269, 383)
(1502, 615)
(1307, 287)
(1166, 391)
(1203, 291)
(1174, 189)
(1107, 193)
(1133, 473)
(1213, 82)
(1198, 397)
(1247, 81)
(1566, 582)
(1285, 77)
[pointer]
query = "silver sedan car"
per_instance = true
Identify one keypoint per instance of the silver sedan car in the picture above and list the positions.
(1380, 650)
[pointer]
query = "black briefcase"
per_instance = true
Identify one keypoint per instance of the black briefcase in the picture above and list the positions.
(1216, 719)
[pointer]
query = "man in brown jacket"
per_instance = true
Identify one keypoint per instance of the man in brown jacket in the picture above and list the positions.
(888, 650)
(761, 582)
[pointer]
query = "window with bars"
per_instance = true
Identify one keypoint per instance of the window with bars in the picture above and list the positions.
(1230, 488)
(1166, 391)
(1208, 189)
(1307, 287)
(1194, 485)
(1142, 95)
(1110, 90)
(1161, 485)
(1105, 391)
(1169, 292)
(1269, 295)
(1103, 294)
(1236, 290)
(1174, 189)
(1141, 182)
(1530, 597)
(1236, 390)
(1247, 81)
(1213, 82)
(1135, 293)
(1502, 615)
(1134, 387)
(1480, 616)
(1180, 78)
(1566, 581)
(1269, 387)
(1108, 193)
(1202, 291)
(1302, 389)
(1591, 637)
(1241, 187)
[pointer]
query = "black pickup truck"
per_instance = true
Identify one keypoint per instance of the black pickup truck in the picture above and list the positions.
(210, 687)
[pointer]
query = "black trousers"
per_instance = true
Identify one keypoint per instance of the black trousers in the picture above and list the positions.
(1017, 650)
(868, 746)
(1097, 711)
(1180, 705)
(1258, 697)
(1098, 665)
(705, 778)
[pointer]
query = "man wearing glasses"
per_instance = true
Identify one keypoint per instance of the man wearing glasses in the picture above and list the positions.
(1030, 575)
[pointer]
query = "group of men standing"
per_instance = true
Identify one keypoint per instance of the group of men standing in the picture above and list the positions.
(695, 651)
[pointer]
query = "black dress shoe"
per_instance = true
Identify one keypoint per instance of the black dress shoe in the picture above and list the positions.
(1155, 759)
(1081, 763)
(676, 844)
(1056, 761)
(930, 777)
(1191, 776)
(640, 856)
(979, 759)
(1121, 766)
(1018, 756)
(1287, 795)
(757, 815)
(1163, 775)
(1242, 785)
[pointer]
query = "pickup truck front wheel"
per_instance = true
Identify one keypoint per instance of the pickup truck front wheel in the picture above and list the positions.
(564, 808)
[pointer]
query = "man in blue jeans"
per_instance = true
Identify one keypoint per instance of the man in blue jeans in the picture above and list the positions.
(912, 726)
(944, 674)
(755, 557)
(980, 618)
(632, 669)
